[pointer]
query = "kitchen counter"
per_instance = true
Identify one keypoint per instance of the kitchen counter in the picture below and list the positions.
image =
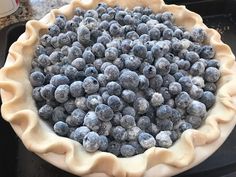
(31, 9)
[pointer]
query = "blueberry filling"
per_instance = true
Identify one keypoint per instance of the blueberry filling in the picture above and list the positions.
(123, 81)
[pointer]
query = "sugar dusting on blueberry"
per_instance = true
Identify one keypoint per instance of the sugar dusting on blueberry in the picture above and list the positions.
(123, 81)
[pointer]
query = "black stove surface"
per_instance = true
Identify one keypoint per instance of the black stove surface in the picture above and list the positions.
(16, 161)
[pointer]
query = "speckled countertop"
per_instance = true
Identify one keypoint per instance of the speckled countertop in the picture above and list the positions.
(31, 9)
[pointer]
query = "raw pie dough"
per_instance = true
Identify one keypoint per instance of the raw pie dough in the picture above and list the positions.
(194, 146)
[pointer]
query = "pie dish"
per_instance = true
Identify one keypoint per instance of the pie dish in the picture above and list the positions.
(193, 147)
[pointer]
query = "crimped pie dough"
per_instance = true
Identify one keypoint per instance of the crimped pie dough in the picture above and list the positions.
(194, 146)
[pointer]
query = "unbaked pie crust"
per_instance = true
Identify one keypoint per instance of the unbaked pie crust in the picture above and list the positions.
(194, 146)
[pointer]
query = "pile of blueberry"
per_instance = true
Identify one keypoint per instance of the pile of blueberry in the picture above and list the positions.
(123, 81)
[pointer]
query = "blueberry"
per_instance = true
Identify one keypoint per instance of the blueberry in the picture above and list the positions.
(153, 129)
(143, 82)
(90, 85)
(93, 100)
(156, 99)
(114, 148)
(146, 140)
(212, 74)
(37, 79)
(59, 114)
(132, 35)
(36, 94)
(164, 112)
(197, 69)
(71, 25)
(61, 128)
(192, 57)
(111, 53)
(142, 28)
(47, 92)
(128, 19)
(184, 126)
(183, 100)
(175, 88)
(91, 142)
(156, 82)
(167, 16)
(133, 133)
(64, 39)
(78, 63)
(167, 80)
(129, 80)
(115, 29)
(162, 66)
(127, 150)
(99, 50)
(104, 65)
(209, 86)
(196, 108)
(74, 52)
(61, 93)
(128, 96)
(128, 110)
(177, 46)
(140, 50)
(60, 22)
(119, 133)
(176, 116)
(144, 122)
(186, 83)
(55, 57)
(91, 121)
(111, 72)
(113, 88)
(72, 35)
(195, 121)
(59, 79)
(76, 118)
(118, 63)
(141, 105)
(138, 148)
(80, 103)
(104, 112)
(70, 106)
(183, 64)
(45, 40)
(91, 71)
(91, 13)
(103, 143)
(105, 128)
(178, 33)
(165, 93)
(195, 92)
(149, 57)
(71, 72)
(54, 42)
(178, 75)
(154, 34)
(44, 60)
(90, 22)
(127, 121)
(213, 63)
(114, 102)
(116, 119)
(126, 46)
(80, 133)
(45, 111)
(198, 81)
(208, 98)
(53, 30)
(131, 62)
(149, 71)
(167, 34)
(39, 49)
(88, 56)
(83, 35)
(198, 35)
(79, 11)
(105, 96)
(76, 89)
(163, 139)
